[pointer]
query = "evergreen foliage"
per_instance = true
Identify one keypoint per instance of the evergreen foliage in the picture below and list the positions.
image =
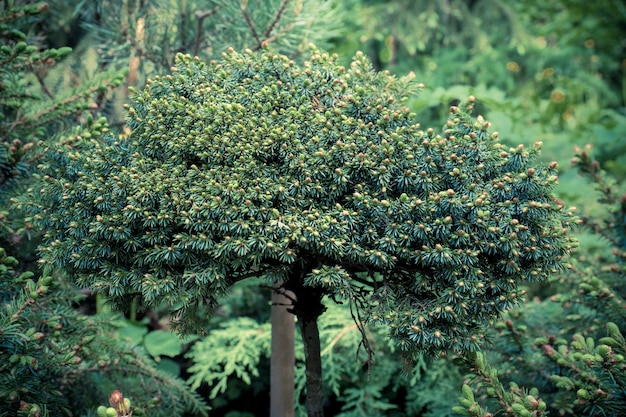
(570, 347)
(315, 175)
(55, 361)
(30, 112)
(15, 56)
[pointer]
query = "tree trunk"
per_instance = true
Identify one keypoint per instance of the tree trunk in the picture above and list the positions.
(313, 363)
(282, 360)
(308, 308)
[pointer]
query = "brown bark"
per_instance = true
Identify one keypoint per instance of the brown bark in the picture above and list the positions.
(308, 307)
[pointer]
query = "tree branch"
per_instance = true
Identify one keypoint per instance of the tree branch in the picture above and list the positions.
(250, 23)
(43, 85)
(277, 17)
(201, 16)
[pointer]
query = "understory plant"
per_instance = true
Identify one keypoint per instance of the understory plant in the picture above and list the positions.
(315, 176)
(230, 363)
(56, 361)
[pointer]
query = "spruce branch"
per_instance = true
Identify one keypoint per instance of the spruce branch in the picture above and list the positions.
(587, 166)
(514, 402)
(598, 292)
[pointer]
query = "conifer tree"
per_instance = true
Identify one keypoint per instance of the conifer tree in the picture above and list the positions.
(313, 175)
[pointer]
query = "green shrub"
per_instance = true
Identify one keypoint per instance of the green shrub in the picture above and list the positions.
(254, 165)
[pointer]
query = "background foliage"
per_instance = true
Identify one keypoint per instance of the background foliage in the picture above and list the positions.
(550, 71)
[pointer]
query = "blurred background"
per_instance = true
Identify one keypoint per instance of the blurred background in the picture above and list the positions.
(540, 70)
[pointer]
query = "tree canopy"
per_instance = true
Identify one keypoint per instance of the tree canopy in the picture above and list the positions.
(313, 174)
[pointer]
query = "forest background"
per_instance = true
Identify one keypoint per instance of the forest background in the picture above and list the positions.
(540, 71)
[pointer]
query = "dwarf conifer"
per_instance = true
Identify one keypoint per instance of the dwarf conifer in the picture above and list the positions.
(315, 175)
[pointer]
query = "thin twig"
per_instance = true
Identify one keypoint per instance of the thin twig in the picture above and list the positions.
(201, 16)
(364, 339)
(596, 228)
(250, 23)
(277, 17)
(43, 85)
